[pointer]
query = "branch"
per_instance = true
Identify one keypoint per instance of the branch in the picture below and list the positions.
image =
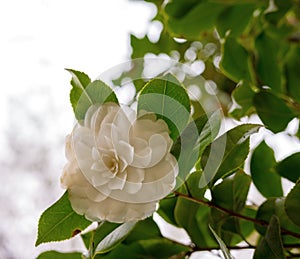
(234, 214)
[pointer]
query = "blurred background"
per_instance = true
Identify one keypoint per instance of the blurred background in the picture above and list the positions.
(39, 38)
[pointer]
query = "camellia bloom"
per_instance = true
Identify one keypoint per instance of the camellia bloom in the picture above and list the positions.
(119, 166)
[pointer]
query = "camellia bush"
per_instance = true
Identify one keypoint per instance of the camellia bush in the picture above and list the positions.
(164, 150)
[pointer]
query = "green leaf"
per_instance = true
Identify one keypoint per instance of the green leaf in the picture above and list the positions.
(168, 100)
(235, 19)
(276, 206)
(193, 185)
(79, 82)
(267, 65)
(235, 62)
(85, 93)
(92, 238)
(222, 245)
(272, 110)
(232, 193)
(165, 44)
(227, 153)
(243, 96)
(148, 249)
(289, 167)
(292, 73)
(292, 202)
(194, 139)
(194, 218)
(264, 176)
(161, 248)
(166, 209)
(144, 229)
(58, 255)
(191, 22)
(60, 222)
(271, 245)
(114, 238)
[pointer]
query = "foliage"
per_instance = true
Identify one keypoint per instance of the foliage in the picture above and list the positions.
(251, 52)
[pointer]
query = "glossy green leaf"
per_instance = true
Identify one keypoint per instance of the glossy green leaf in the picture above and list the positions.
(271, 246)
(190, 23)
(292, 73)
(60, 222)
(289, 167)
(84, 93)
(292, 202)
(58, 255)
(222, 245)
(227, 153)
(235, 62)
(267, 65)
(234, 19)
(193, 140)
(232, 193)
(93, 238)
(115, 237)
(79, 82)
(272, 110)
(194, 218)
(243, 97)
(168, 99)
(263, 173)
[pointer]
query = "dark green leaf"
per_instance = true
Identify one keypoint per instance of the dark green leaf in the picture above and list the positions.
(165, 44)
(268, 64)
(58, 255)
(222, 245)
(243, 96)
(272, 110)
(271, 245)
(166, 209)
(193, 185)
(292, 202)
(161, 248)
(195, 20)
(60, 222)
(227, 153)
(168, 100)
(94, 237)
(147, 249)
(290, 167)
(292, 73)
(235, 19)
(235, 61)
(264, 176)
(275, 206)
(232, 193)
(194, 218)
(115, 237)
(143, 230)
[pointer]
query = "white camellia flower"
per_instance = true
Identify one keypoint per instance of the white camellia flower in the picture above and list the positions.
(119, 166)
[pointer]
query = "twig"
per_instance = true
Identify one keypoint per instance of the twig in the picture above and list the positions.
(235, 214)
